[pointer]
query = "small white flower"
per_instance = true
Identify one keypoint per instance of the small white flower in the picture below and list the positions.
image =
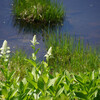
(5, 60)
(49, 53)
(4, 47)
(8, 51)
(34, 41)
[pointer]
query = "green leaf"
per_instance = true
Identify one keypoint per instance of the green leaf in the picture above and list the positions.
(92, 92)
(13, 94)
(11, 75)
(31, 62)
(52, 81)
(21, 86)
(66, 86)
(37, 51)
(41, 83)
(4, 91)
(59, 80)
(45, 77)
(81, 95)
(79, 79)
(34, 74)
(45, 64)
(34, 84)
(24, 81)
(60, 91)
(93, 75)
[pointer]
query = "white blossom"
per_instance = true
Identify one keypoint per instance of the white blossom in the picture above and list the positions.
(49, 53)
(4, 47)
(4, 51)
(34, 41)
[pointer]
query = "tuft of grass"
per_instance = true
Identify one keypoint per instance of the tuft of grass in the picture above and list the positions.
(71, 54)
(38, 11)
(18, 62)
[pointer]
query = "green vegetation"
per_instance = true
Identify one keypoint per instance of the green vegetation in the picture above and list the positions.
(71, 54)
(38, 83)
(38, 11)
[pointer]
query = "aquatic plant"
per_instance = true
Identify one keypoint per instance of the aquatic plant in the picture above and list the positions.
(38, 11)
(39, 84)
(71, 54)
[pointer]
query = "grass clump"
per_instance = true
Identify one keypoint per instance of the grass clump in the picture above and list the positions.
(39, 11)
(71, 54)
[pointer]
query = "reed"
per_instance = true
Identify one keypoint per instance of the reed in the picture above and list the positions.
(71, 54)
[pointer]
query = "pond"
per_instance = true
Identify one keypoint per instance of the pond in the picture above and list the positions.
(82, 20)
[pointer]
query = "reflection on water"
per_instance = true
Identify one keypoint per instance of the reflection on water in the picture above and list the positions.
(25, 27)
(82, 19)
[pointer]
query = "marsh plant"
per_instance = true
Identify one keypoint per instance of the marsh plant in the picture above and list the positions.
(71, 54)
(39, 84)
(39, 11)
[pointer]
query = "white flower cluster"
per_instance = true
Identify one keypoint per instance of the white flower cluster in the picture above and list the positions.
(4, 51)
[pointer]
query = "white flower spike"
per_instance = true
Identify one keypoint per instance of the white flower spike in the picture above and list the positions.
(34, 41)
(4, 51)
(49, 53)
(4, 47)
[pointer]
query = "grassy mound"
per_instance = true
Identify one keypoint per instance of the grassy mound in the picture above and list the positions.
(39, 11)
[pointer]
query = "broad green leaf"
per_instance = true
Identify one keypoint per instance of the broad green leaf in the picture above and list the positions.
(81, 95)
(41, 83)
(4, 91)
(34, 74)
(45, 77)
(33, 83)
(60, 91)
(66, 86)
(52, 81)
(45, 64)
(52, 90)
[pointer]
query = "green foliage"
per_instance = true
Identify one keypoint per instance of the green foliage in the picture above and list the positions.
(39, 84)
(71, 54)
(45, 11)
(18, 62)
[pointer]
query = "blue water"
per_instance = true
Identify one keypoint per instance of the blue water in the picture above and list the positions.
(82, 20)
